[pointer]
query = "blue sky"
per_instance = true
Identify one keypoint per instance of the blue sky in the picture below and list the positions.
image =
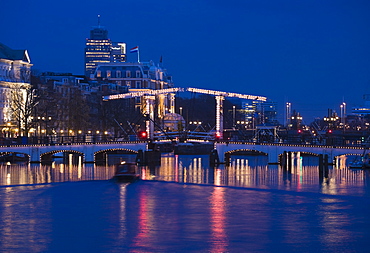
(312, 53)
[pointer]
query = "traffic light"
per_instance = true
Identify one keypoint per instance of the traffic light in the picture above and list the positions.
(218, 135)
(143, 135)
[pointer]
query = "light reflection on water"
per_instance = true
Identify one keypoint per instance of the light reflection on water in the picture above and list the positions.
(243, 171)
(246, 207)
(20, 174)
(254, 172)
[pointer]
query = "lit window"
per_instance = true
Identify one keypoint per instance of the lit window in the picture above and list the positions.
(108, 73)
(98, 73)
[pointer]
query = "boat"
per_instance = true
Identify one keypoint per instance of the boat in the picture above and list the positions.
(356, 165)
(363, 163)
(126, 172)
(366, 161)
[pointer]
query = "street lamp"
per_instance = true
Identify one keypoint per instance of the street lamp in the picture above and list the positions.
(233, 116)
(288, 111)
(344, 112)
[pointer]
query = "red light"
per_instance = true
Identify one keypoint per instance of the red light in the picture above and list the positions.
(218, 135)
(330, 131)
(143, 135)
(299, 131)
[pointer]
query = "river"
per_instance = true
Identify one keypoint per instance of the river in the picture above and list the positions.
(185, 205)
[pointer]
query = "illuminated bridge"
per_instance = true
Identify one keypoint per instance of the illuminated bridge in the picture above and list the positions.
(89, 151)
(150, 97)
(274, 150)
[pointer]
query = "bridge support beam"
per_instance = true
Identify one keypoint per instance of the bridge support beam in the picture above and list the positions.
(172, 102)
(149, 112)
(219, 116)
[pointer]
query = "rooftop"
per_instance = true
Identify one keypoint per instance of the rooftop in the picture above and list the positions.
(11, 54)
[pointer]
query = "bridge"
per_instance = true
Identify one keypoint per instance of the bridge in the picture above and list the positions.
(149, 97)
(274, 150)
(88, 151)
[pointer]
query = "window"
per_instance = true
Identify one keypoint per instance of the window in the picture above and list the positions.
(138, 84)
(138, 74)
(109, 73)
(98, 73)
(128, 73)
(128, 83)
(118, 74)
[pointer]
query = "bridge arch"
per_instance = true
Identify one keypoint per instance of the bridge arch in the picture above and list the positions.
(99, 156)
(301, 153)
(47, 156)
(347, 154)
(305, 153)
(12, 156)
(245, 152)
(242, 152)
(124, 150)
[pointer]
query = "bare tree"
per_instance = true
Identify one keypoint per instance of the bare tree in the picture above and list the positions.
(22, 104)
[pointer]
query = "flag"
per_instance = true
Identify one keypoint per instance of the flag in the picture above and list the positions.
(134, 50)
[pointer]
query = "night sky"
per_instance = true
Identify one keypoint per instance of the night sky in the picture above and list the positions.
(312, 53)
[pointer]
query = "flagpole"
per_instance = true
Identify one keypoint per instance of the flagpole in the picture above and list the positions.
(138, 55)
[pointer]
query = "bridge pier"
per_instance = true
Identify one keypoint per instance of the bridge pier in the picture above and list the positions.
(89, 157)
(35, 155)
(323, 167)
(273, 156)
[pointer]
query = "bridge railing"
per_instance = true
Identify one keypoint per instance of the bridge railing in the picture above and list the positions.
(63, 140)
(91, 139)
(296, 145)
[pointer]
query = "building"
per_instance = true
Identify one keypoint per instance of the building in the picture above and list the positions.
(365, 109)
(137, 76)
(15, 72)
(259, 113)
(100, 49)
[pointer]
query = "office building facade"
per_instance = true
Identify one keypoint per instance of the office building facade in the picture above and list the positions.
(260, 113)
(100, 49)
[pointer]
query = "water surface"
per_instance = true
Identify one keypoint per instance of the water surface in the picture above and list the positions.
(185, 206)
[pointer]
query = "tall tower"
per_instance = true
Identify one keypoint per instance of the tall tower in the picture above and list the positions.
(100, 49)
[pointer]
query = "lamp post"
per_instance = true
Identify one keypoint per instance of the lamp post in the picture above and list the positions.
(288, 111)
(344, 113)
(233, 116)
